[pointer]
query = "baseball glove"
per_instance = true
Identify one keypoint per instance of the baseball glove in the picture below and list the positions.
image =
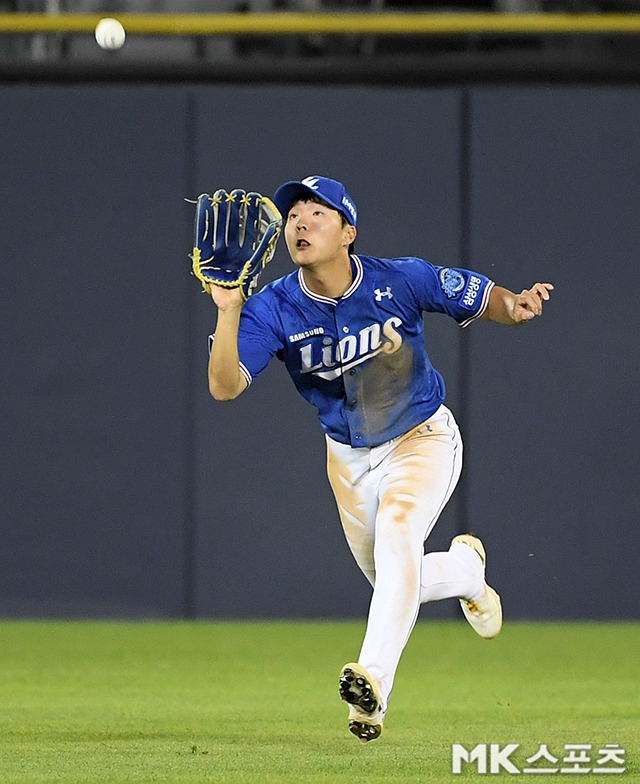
(235, 237)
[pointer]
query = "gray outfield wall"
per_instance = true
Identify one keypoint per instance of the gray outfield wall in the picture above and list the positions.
(128, 492)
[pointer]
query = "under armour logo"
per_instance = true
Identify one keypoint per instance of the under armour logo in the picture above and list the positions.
(380, 294)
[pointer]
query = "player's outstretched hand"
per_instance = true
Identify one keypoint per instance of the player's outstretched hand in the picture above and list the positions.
(528, 304)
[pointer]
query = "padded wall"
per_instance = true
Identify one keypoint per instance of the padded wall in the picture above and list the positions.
(111, 441)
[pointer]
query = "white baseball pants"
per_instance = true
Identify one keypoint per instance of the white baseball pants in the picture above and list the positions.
(389, 498)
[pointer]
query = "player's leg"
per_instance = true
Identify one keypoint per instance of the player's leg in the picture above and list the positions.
(413, 478)
(356, 497)
(460, 573)
(356, 493)
(354, 478)
(451, 574)
(416, 479)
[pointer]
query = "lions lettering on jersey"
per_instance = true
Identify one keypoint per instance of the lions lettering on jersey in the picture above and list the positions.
(332, 359)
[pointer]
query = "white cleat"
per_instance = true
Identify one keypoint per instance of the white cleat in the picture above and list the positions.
(484, 614)
(366, 712)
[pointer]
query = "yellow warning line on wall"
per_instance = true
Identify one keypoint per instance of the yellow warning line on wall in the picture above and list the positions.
(284, 23)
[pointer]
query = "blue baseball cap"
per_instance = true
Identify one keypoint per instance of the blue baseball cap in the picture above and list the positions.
(330, 191)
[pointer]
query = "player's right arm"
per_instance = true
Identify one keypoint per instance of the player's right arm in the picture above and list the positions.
(226, 381)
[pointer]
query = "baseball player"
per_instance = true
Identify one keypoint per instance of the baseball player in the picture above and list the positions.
(349, 329)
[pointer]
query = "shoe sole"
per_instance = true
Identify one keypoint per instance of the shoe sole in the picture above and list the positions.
(478, 630)
(358, 691)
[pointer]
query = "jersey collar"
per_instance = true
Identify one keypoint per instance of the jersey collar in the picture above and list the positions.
(356, 268)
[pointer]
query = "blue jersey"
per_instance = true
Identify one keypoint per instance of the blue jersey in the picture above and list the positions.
(361, 359)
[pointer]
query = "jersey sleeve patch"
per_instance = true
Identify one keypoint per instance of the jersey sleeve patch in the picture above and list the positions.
(451, 281)
(462, 293)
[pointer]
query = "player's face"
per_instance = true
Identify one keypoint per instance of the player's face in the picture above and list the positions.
(315, 233)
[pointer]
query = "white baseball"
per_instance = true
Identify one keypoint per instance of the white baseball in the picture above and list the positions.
(110, 34)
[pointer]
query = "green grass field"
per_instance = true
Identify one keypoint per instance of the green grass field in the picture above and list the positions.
(257, 702)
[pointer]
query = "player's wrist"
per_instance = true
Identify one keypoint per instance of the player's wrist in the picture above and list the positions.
(227, 300)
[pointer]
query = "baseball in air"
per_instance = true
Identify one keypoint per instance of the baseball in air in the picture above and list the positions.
(110, 34)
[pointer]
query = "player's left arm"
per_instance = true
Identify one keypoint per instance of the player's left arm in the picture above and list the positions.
(505, 307)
